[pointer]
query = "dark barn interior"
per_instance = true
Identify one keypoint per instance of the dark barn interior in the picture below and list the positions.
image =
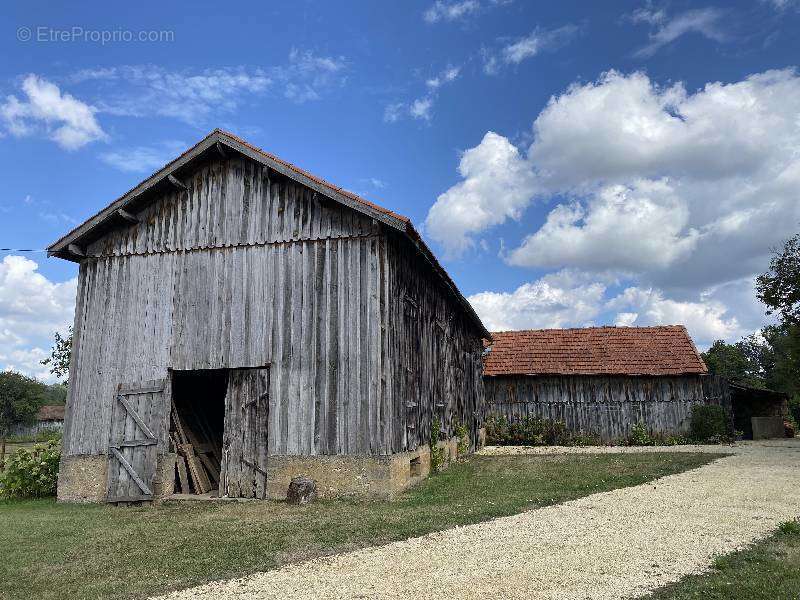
(197, 428)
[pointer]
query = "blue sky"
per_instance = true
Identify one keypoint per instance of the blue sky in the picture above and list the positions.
(572, 163)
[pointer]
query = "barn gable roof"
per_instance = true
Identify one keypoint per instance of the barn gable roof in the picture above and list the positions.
(220, 143)
(664, 350)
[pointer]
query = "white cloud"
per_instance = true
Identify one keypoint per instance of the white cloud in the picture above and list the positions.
(497, 185)
(142, 159)
(450, 11)
(681, 193)
(195, 96)
(421, 108)
(570, 298)
(521, 49)
(630, 228)
(32, 308)
(706, 319)
(446, 76)
(537, 41)
(61, 117)
(704, 21)
(557, 300)
(701, 185)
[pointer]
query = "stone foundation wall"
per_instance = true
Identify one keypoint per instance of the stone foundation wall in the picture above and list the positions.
(83, 478)
(361, 476)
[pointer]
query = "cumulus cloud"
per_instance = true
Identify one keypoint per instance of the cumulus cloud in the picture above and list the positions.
(570, 298)
(450, 11)
(704, 21)
(46, 110)
(680, 194)
(497, 185)
(561, 299)
(698, 186)
(32, 308)
(630, 228)
(706, 319)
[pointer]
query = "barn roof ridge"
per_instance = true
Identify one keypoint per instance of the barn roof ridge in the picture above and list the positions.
(605, 350)
(220, 139)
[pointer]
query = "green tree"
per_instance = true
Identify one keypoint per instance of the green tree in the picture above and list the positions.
(20, 398)
(60, 355)
(779, 287)
(779, 290)
(742, 362)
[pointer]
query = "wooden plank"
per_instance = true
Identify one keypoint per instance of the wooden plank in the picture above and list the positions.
(183, 477)
(135, 416)
(210, 467)
(133, 474)
(126, 216)
(134, 443)
(196, 470)
(76, 250)
(176, 182)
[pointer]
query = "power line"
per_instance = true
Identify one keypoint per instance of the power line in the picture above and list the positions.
(22, 250)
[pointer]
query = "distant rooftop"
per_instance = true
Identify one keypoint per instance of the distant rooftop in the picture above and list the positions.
(664, 350)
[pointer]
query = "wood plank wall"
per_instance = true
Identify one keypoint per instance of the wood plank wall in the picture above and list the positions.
(246, 269)
(607, 406)
(307, 296)
(437, 370)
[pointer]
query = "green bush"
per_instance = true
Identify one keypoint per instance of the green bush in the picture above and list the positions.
(462, 433)
(534, 431)
(709, 425)
(437, 452)
(639, 436)
(31, 473)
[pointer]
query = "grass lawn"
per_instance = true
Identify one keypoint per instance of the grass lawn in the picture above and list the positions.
(77, 551)
(767, 570)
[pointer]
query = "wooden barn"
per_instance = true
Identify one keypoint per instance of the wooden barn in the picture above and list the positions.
(598, 380)
(240, 322)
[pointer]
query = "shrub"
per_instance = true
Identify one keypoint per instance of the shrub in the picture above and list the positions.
(639, 436)
(709, 424)
(31, 473)
(534, 431)
(437, 452)
(462, 433)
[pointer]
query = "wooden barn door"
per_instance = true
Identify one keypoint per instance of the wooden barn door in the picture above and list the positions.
(139, 416)
(244, 445)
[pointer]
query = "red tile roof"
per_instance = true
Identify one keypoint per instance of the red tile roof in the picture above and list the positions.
(665, 350)
(51, 413)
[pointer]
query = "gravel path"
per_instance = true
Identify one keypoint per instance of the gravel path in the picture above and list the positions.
(614, 544)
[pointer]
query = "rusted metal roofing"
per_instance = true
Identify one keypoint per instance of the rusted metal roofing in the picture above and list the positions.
(663, 350)
(70, 245)
(51, 413)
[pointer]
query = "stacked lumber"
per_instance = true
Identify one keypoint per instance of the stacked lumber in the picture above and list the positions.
(197, 466)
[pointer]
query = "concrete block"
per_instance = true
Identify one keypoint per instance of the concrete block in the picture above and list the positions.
(83, 478)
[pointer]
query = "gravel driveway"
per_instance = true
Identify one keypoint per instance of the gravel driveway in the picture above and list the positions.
(614, 544)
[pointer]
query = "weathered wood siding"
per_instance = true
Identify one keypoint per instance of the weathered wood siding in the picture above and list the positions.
(607, 406)
(437, 369)
(244, 270)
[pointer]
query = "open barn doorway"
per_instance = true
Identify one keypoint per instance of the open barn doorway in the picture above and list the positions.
(197, 427)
